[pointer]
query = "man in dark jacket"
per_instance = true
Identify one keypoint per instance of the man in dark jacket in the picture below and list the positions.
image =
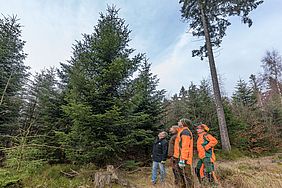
(159, 156)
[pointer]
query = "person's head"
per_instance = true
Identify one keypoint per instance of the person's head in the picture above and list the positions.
(162, 135)
(202, 128)
(184, 122)
(173, 129)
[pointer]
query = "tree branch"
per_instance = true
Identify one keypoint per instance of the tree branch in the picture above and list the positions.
(2, 98)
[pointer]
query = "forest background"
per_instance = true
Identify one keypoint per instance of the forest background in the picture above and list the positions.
(103, 105)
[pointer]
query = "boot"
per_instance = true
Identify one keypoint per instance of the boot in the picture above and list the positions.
(197, 172)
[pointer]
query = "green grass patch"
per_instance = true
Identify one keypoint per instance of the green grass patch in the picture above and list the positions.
(234, 154)
(8, 177)
(55, 176)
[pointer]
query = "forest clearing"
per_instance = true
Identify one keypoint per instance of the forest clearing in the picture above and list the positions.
(105, 114)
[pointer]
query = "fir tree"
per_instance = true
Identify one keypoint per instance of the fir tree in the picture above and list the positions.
(13, 74)
(111, 112)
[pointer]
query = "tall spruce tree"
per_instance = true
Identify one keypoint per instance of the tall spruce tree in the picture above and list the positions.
(209, 19)
(13, 74)
(146, 102)
(148, 98)
(107, 118)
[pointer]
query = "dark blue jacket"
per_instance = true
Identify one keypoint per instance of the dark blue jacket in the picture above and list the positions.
(160, 150)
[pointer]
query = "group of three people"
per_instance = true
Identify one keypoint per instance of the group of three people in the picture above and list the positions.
(179, 151)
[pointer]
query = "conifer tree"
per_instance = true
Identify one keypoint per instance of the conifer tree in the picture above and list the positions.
(42, 115)
(110, 111)
(13, 74)
(209, 19)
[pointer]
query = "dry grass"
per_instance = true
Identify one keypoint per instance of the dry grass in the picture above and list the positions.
(243, 173)
(263, 172)
(143, 179)
(249, 173)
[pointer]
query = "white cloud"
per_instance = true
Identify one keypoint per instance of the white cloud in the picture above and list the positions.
(239, 57)
(177, 68)
(51, 27)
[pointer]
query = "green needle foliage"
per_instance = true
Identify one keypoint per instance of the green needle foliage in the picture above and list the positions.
(13, 75)
(111, 111)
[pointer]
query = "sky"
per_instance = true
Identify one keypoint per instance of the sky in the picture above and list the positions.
(51, 27)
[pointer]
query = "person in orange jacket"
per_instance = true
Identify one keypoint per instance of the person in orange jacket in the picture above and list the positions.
(173, 161)
(205, 147)
(183, 153)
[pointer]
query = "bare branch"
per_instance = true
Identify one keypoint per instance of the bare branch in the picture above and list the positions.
(2, 98)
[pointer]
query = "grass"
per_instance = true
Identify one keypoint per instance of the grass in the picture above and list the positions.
(247, 173)
(54, 177)
(47, 176)
(238, 173)
(241, 173)
(8, 177)
(235, 154)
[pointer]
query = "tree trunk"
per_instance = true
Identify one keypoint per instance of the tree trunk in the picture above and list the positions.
(219, 107)
(278, 88)
(109, 178)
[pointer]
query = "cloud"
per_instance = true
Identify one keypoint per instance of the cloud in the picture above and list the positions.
(243, 47)
(238, 58)
(177, 68)
(51, 27)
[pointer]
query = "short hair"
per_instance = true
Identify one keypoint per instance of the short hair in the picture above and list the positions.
(165, 133)
(186, 122)
(174, 127)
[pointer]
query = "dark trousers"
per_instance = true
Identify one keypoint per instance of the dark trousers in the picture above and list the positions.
(174, 166)
(185, 176)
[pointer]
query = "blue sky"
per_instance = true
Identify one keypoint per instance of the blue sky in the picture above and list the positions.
(52, 26)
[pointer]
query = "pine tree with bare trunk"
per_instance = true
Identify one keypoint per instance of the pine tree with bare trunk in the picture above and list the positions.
(209, 19)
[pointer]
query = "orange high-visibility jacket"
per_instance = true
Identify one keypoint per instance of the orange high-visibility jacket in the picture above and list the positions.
(183, 147)
(205, 146)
